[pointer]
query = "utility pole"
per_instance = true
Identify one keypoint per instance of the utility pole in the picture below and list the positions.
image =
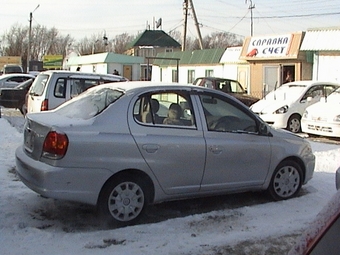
(30, 39)
(197, 25)
(186, 5)
(251, 7)
(185, 12)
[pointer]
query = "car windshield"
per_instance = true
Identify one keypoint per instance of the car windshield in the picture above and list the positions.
(39, 84)
(285, 92)
(334, 97)
(89, 103)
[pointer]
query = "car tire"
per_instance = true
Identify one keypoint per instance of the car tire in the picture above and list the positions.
(123, 201)
(23, 109)
(286, 181)
(294, 123)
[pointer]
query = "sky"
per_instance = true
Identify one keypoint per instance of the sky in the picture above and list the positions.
(30, 224)
(85, 18)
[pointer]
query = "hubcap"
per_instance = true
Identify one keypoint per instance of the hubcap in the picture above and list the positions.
(126, 201)
(286, 181)
(294, 125)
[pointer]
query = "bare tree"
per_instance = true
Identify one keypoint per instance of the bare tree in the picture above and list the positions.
(121, 42)
(15, 41)
(43, 42)
(221, 40)
(95, 44)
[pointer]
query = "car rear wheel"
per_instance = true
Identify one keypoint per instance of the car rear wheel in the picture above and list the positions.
(294, 123)
(123, 201)
(286, 181)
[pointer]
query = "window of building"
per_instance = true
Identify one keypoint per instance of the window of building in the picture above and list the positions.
(191, 76)
(209, 73)
(174, 76)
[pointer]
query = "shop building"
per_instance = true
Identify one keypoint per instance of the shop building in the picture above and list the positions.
(274, 60)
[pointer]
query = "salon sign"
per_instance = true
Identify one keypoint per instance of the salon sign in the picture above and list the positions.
(269, 46)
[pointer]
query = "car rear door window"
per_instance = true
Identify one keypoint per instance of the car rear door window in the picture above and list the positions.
(60, 88)
(165, 108)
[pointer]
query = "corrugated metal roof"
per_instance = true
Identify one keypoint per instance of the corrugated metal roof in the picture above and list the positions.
(321, 40)
(157, 38)
(107, 57)
(196, 57)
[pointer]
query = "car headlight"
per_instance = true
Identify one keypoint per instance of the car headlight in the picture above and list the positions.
(337, 118)
(305, 115)
(282, 110)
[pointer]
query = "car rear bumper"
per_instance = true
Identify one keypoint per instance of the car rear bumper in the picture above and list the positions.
(60, 183)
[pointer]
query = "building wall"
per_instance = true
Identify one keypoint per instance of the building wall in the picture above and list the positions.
(327, 66)
(104, 68)
(261, 84)
(165, 74)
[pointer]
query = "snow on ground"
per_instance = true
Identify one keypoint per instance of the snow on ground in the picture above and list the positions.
(30, 224)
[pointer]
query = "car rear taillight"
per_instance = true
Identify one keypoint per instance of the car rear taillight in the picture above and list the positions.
(55, 145)
(44, 105)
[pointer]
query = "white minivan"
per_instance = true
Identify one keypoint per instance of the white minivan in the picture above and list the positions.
(52, 88)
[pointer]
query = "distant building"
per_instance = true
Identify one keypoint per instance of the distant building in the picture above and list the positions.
(107, 63)
(148, 44)
(323, 50)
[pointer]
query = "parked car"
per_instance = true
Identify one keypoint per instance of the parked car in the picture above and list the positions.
(15, 97)
(283, 107)
(323, 118)
(229, 86)
(14, 79)
(52, 88)
(12, 68)
(111, 147)
(323, 234)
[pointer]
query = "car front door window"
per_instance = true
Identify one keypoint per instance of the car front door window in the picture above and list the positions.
(222, 116)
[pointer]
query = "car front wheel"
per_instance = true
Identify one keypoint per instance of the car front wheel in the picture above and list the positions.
(123, 201)
(294, 123)
(286, 181)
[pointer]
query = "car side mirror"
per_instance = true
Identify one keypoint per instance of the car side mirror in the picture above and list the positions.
(263, 129)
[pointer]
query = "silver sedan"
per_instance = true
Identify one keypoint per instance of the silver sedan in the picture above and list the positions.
(125, 146)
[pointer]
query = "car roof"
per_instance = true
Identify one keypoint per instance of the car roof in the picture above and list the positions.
(215, 78)
(149, 85)
(80, 73)
(309, 83)
(5, 76)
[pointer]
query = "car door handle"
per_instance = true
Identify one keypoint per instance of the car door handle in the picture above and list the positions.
(216, 149)
(151, 148)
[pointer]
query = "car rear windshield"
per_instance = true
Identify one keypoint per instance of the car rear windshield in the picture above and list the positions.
(13, 69)
(89, 103)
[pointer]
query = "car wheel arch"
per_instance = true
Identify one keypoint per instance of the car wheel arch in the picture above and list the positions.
(294, 116)
(124, 198)
(301, 169)
(136, 173)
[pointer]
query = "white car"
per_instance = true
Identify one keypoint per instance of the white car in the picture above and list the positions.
(52, 88)
(283, 107)
(323, 118)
